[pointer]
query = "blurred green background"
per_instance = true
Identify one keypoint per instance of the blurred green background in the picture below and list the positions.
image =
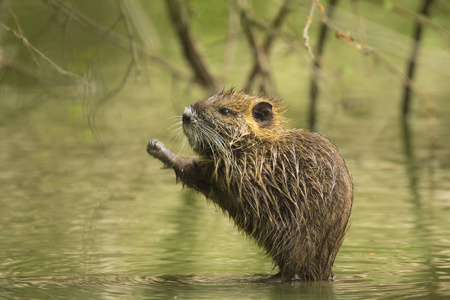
(86, 213)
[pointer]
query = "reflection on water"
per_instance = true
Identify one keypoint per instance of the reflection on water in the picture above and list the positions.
(166, 287)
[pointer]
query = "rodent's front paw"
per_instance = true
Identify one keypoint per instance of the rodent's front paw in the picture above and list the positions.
(157, 149)
(154, 147)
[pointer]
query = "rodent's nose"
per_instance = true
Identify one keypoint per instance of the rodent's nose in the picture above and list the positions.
(186, 118)
(188, 115)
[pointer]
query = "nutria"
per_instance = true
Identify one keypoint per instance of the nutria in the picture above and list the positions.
(290, 190)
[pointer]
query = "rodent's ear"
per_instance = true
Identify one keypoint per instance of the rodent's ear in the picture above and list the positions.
(262, 113)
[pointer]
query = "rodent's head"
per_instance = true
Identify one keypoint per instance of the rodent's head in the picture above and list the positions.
(231, 120)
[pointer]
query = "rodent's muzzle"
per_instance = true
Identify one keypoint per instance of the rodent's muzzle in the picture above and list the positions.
(187, 116)
(189, 122)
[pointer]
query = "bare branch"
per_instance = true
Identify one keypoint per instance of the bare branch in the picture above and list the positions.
(191, 52)
(306, 28)
(425, 9)
(314, 87)
(261, 60)
(271, 34)
(20, 33)
(34, 50)
(408, 82)
(417, 18)
(391, 67)
(133, 49)
(92, 114)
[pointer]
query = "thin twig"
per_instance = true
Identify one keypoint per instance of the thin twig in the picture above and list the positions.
(129, 28)
(113, 26)
(270, 37)
(261, 60)
(30, 47)
(20, 33)
(417, 18)
(389, 66)
(360, 28)
(408, 82)
(91, 115)
(314, 87)
(276, 24)
(114, 37)
(309, 18)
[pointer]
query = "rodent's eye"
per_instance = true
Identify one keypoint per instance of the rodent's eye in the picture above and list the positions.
(225, 111)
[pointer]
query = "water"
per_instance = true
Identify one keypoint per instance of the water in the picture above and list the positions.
(79, 220)
(85, 213)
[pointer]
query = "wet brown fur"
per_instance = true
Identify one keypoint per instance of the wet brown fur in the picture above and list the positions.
(290, 190)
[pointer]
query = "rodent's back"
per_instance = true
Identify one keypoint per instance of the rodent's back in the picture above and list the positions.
(276, 179)
(294, 197)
